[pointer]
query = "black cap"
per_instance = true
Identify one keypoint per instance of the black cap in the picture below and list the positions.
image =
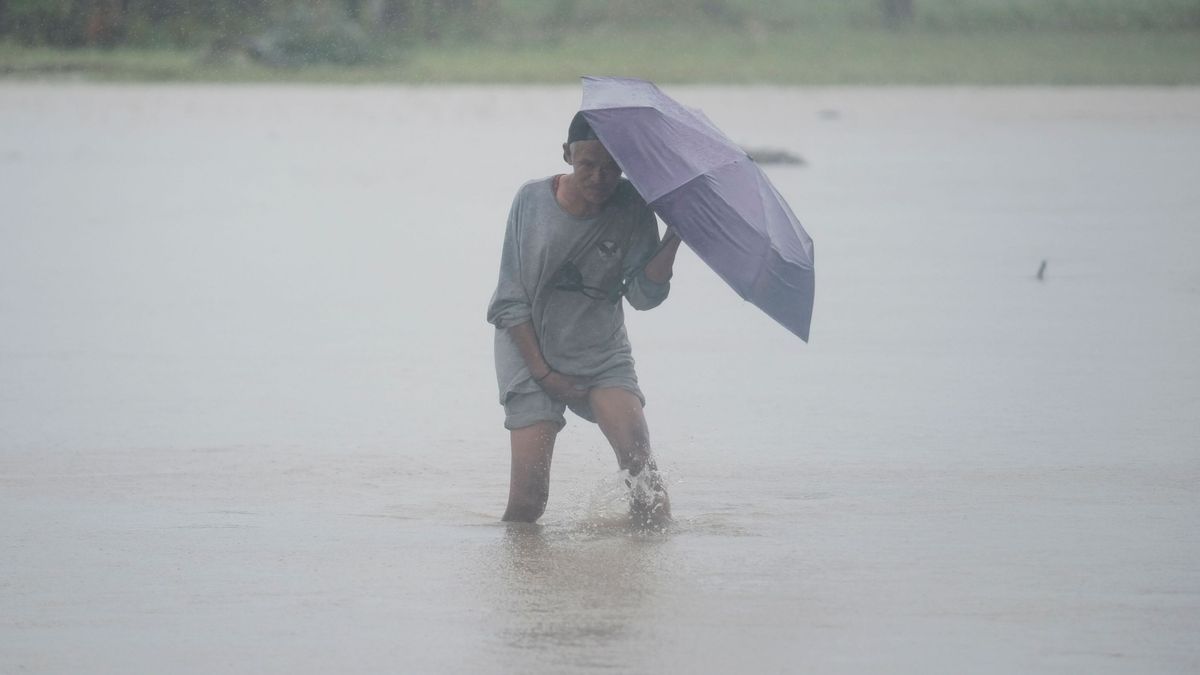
(580, 130)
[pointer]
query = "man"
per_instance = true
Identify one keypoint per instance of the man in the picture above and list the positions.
(575, 244)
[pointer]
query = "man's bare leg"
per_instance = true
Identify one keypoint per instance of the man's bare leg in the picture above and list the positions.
(619, 414)
(529, 481)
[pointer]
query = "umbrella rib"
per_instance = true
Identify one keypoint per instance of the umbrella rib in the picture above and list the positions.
(695, 178)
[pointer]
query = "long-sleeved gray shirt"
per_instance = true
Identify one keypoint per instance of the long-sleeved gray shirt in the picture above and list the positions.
(579, 335)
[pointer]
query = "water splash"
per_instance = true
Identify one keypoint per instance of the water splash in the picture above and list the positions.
(621, 501)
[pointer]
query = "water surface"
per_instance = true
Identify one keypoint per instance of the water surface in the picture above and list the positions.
(248, 417)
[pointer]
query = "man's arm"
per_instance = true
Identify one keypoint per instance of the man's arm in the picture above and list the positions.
(559, 386)
(510, 303)
(650, 283)
(660, 267)
(531, 351)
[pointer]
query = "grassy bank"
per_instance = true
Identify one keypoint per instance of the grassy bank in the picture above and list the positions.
(842, 56)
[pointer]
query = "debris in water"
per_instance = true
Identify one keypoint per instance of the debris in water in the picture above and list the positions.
(774, 156)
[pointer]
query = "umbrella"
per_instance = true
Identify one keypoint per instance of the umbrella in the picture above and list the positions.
(710, 192)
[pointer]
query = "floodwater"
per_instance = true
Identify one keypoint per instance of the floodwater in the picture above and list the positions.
(248, 418)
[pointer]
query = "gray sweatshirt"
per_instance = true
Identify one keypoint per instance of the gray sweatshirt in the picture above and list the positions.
(579, 335)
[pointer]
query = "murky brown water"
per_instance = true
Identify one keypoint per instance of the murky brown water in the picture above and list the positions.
(247, 415)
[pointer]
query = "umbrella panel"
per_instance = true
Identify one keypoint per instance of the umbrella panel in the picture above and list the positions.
(656, 152)
(735, 221)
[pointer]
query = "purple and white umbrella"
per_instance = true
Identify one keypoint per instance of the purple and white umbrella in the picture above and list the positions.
(710, 192)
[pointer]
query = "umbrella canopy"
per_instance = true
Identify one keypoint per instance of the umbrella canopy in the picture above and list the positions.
(709, 190)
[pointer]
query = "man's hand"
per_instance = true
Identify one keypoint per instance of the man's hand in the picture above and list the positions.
(660, 266)
(564, 388)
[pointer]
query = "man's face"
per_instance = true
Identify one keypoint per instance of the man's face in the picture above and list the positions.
(596, 174)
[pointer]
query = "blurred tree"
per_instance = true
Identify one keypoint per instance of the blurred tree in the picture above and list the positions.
(72, 23)
(897, 12)
(563, 14)
(426, 19)
(312, 33)
(103, 22)
(196, 23)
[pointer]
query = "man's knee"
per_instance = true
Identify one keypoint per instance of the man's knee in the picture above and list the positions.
(615, 402)
(619, 414)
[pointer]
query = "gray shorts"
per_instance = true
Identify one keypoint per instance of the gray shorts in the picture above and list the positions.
(522, 410)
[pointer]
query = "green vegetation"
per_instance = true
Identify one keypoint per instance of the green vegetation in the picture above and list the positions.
(490, 41)
(946, 15)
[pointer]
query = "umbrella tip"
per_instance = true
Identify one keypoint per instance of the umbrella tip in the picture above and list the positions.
(1041, 273)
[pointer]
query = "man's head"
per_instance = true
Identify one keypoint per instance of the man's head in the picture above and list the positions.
(595, 172)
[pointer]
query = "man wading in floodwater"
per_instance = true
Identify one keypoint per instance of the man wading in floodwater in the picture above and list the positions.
(575, 244)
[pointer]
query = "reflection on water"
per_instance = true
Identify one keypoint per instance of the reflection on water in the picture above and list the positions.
(571, 593)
